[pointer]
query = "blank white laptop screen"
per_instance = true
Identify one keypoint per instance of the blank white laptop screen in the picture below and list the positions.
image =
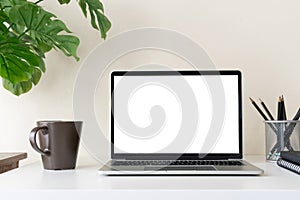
(153, 102)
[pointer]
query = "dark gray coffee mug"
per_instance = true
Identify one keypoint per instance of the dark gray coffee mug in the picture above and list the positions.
(59, 142)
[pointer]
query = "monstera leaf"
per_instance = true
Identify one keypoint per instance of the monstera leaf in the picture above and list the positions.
(19, 65)
(96, 13)
(17, 60)
(42, 28)
(24, 86)
(33, 31)
(28, 32)
(64, 1)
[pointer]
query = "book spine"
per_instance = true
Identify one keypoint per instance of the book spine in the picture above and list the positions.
(288, 165)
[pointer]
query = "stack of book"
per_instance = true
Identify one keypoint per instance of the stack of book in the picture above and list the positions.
(290, 160)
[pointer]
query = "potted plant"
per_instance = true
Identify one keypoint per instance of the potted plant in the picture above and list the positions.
(28, 32)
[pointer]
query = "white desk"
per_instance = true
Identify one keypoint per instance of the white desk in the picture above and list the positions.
(32, 182)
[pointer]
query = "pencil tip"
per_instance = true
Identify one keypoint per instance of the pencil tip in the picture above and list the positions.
(260, 100)
(251, 99)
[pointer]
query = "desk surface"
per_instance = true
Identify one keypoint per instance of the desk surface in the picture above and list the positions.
(86, 180)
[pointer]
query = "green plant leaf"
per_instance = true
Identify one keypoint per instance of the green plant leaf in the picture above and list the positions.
(98, 20)
(36, 76)
(64, 1)
(82, 5)
(3, 16)
(44, 28)
(67, 44)
(10, 3)
(20, 66)
(3, 19)
(27, 32)
(24, 86)
(18, 88)
(17, 60)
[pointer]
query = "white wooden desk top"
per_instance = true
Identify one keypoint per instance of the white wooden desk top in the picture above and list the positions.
(33, 182)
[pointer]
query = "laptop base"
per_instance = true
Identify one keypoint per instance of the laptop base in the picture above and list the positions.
(246, 169)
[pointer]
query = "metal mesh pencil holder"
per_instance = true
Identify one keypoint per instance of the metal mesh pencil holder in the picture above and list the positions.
(281, 135)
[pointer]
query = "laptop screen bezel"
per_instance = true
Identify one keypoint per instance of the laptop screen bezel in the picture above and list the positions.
(184, 156)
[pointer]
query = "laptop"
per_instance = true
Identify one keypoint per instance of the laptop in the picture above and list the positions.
(177, 123)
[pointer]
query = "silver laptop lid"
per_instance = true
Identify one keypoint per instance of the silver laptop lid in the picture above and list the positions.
(186, 115)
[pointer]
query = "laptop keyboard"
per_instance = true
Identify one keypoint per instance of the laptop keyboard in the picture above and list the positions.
(176, 162)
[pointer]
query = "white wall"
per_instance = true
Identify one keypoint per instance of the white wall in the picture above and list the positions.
(262, 38)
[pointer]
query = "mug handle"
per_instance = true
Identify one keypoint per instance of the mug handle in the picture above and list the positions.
(32, 139)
